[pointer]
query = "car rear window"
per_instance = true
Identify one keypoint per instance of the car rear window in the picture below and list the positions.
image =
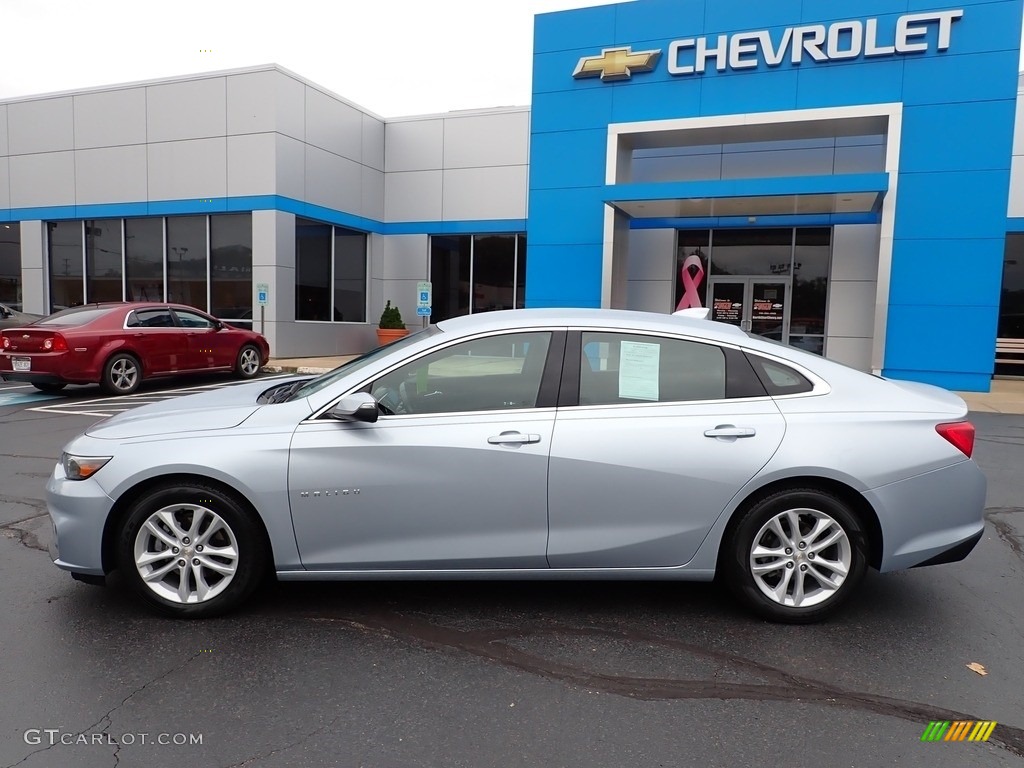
(75, 316)
(779, 379)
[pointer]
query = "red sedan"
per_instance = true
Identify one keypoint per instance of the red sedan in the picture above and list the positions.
(117, 345)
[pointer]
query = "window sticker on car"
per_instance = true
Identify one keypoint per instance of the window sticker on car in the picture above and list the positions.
(639, 364)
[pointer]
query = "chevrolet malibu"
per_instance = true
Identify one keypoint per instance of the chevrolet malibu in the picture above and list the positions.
(531, 444)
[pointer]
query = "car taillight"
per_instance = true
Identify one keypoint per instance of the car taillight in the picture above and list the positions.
(55, 343)
(7, 343)
(960, 434)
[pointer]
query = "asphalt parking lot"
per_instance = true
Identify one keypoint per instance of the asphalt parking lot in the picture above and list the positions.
(518, 674)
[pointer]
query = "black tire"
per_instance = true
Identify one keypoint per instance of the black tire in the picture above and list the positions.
(122, 374)
(247, 362)
(223, 525)
(50, 387)
(824, 590)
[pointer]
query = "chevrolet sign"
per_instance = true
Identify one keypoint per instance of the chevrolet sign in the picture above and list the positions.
(746, 50)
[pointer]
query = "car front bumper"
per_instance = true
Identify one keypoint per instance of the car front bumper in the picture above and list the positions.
(933, 518)
(78, 510)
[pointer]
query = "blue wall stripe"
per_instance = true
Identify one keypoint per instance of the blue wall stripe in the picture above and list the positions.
(261, 203)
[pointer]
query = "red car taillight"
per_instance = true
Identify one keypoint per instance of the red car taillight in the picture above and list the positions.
(55, 343)
(960, 434)
(7, 343)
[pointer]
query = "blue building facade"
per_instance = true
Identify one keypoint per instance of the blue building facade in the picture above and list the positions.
(635, 104)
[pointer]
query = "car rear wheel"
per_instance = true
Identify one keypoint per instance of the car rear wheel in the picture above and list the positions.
(121, 375)
(49, 386)
(191, 551)
(796, 556)
(247, 365)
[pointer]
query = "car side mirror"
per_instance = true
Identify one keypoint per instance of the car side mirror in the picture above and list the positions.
(359, 406)
(5, 313)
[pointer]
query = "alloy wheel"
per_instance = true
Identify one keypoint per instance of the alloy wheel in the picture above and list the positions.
(124, 374)
(249, 361)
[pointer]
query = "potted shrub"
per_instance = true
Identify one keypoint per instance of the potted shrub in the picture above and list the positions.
(391, 325)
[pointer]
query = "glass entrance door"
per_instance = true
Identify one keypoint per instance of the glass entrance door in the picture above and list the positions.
(756, 304)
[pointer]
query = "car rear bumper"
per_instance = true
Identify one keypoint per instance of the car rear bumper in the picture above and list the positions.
(31, 378)
(933, 518)
(78, 510)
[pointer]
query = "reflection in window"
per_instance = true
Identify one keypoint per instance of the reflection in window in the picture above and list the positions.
(103, 260)
(144, 259)
(349, 276)
(65, 240)
(627, 368)
(494, 266)
(752, 251)
(186, 260)
(312, 270)
(231, 266)
(477, 273)
(450, 257)
(810, 286)
(10, 265)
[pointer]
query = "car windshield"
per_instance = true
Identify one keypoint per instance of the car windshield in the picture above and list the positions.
(353, 365)
(75, 316)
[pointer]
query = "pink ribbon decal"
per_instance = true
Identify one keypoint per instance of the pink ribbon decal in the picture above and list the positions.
(690, 282)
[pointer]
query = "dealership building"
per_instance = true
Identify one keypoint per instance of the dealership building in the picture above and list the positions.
(845, 178)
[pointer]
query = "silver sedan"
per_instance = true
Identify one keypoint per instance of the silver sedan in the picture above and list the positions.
(531, 444)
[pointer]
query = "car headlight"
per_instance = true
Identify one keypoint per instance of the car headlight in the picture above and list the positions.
(81, 467)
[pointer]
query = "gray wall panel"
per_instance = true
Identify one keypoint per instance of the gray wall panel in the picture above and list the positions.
(373, 142)
(333, 181)
(46, 125)
(191, 109)
(333, 125)
(412, 196)
(251, 164)
(855, 252)
(372, 205)
(290, 158)
(33, 276)
(3, 129)
(110, 118)
(414, 145)
(290, 98)
(402, 257)
(853, 352)
(649, 296)
(188, 169)
(1018, 126)
(485, 140)
(851, 308)
(111, 175)
(1015, 208)
(42, 180)
(651, 254)
(5, 183)
(485, 193)
(251, 105)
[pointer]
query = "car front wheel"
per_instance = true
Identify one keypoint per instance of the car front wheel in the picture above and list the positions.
(247, 365)
(796, 556)
(191, 551)
(121, 375)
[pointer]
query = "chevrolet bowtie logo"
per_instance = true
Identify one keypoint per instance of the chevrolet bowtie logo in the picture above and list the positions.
(616, 64)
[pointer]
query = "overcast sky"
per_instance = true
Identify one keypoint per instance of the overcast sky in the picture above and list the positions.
(393, 57)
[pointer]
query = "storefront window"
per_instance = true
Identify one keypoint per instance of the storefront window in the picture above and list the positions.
(691, 273)
(10, 265)
(494, 267)
(752, 251)
(312, 270)
(231, 267)
(65, 249)
(103, 266)
(186, 260)
(810, 286)
(1011, 305)
(450, 259)
(349, 276)
(144, 259)
(477, 273)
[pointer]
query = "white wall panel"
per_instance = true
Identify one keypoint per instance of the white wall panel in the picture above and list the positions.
(252, 164)
(372, 205)
(851, 309)
(3, 129)
(484, 140)
(414, 145)
(42, 180)
(485, 193)
(652, 254)
(110, 175)
(333, 181)
(853, 352)
(46, 125)
(191, 109)
(110, 118)
(855, 252)
(188, 169)
(333, 125)
(412, 196)
(373, 142)
(5, 183)
(649, 296)
(290, 158)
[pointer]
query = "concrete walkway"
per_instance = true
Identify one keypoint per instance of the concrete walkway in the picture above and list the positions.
(1007, 395)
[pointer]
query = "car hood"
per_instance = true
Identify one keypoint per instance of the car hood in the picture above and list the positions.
(220, 409)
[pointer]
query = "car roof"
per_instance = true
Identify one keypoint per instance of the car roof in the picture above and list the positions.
(596, 318)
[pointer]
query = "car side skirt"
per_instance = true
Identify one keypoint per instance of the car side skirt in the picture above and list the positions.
(678, 573)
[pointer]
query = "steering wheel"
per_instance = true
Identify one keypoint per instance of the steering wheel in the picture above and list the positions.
(389, 400)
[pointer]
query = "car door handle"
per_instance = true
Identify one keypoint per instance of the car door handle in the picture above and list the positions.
(513, 437)
(728, 430)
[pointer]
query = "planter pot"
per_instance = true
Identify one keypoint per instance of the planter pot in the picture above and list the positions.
(387, 335)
